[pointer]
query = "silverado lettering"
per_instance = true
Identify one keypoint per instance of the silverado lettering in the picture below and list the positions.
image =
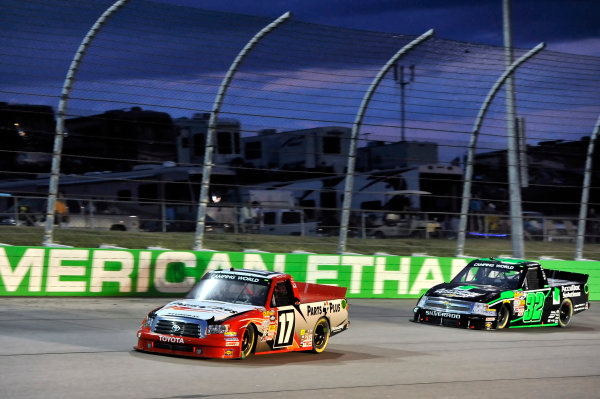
(442, 314)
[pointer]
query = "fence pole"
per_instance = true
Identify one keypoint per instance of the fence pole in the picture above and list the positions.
(343, 238)
(62, 111)
(585, 193)
(212, 127)
(514, 186)
(466, 197)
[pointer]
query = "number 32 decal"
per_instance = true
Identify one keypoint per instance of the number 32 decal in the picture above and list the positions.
(534, 306)
(285, 328)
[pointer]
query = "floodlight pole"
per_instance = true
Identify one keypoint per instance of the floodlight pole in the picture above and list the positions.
(403, 83)
(354, 136)
(62, 111)
(468, 178)
(514, 186)
(212, 126)
(585, 193)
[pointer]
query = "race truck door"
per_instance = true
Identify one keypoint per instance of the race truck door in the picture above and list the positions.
(535, 305)
(289, 319)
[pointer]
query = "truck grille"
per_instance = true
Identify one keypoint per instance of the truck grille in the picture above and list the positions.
(173, 347)
(446, 304)
(179, 328)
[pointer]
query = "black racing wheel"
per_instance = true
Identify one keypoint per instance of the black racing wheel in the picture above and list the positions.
(321, 335)
(248, 341)
(503, 317)
(565, 311)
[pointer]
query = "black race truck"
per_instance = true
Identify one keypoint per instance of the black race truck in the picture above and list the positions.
(501, 293)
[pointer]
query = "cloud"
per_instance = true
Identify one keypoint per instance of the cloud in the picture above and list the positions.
(465, 20)
(301, 75)
(587, 46)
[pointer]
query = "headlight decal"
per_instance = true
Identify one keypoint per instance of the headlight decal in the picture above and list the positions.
(149, 320)
(217, 328)
(483, 309)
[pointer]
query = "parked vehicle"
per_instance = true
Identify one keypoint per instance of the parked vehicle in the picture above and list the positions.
(235, 313)
(501, 293)
(81, 214)
(402, 225)
(185, 223)
(286, 222)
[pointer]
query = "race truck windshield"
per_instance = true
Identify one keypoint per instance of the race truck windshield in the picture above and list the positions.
(233, 289)
(485, 275)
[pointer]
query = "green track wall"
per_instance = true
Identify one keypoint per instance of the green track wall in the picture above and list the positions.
(43, 271)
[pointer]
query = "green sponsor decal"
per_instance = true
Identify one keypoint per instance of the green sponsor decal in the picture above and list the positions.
(43, 271)
(504, 295)
(535, 325)
(534, 307)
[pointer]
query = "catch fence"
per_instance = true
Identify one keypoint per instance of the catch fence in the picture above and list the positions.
(138, 116)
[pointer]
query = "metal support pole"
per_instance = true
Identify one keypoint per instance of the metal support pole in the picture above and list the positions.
(62, 111)
(16, 211)
(514, 187)
(468, 178)
(212, 126)
(403, 83)
(523, 161)
(354, 136)
(585, 193)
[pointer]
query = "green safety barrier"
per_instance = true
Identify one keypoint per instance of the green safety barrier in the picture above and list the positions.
(44, 271)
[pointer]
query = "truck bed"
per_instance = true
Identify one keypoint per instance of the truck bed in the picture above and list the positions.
(556, 282)
(309, 292)
(559, 277)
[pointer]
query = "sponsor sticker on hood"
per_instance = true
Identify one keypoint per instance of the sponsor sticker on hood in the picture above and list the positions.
(202, 310)
(459, 292)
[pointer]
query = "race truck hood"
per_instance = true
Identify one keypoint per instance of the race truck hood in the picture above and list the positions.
(202, 310)
(465, 292)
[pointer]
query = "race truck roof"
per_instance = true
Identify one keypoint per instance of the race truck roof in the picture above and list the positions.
(506, 264)
(262, 274)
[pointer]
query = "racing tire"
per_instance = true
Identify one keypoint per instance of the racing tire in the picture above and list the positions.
(565, 312)
(321, 334)
(248, 342)
(503, 317)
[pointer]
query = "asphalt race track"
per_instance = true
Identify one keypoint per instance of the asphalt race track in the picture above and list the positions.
(82, 348)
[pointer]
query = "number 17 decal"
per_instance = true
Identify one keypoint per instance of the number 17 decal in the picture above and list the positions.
(285, 328)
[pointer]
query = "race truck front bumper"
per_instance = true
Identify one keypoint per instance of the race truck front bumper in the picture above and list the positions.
(185, 346)
(183, 337)
(454, 313)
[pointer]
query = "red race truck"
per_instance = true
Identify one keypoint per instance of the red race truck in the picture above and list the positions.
(235, 313)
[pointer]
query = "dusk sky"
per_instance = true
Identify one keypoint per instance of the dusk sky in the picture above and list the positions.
(570, 26)
(171, 55)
